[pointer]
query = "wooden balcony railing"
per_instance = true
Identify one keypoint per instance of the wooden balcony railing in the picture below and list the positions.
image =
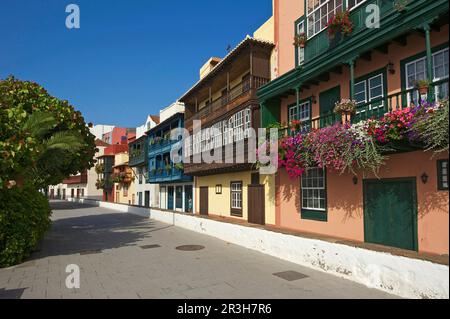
(242, 88)
(377, 108)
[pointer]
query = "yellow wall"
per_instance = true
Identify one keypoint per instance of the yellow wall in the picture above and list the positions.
(219, 204)
(216, 95)
(269, 190)
(266, 32)
(118, 188)
(121, 158)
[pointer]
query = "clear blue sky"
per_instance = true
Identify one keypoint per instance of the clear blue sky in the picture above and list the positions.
(129, 58)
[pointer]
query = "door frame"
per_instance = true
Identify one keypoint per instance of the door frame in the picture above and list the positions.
(200, 200)
(413, 180)
(252, 218)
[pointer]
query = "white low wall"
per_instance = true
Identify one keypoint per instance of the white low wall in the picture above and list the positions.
(405, 277)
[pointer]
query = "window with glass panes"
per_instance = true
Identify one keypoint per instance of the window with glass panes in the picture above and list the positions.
(302, 113)
(417, 70)
(319, 12)
(440, 72)
(301, 51)
(313, 186)
(443, 175)
(370, 89)
(238, 126)
(351, 4)
(236, 196)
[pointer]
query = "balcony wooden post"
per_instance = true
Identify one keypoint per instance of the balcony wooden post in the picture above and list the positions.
(297, 97)
(351, 63)
(427, 29)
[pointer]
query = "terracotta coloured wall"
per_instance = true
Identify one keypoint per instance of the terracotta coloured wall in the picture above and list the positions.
(345, 215)
(345, 206)
(397, 53)
(286, 12)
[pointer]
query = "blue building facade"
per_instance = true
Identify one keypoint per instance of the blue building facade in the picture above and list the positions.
(175, 188)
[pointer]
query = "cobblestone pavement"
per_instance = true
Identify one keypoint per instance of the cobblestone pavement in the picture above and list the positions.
(126, 256)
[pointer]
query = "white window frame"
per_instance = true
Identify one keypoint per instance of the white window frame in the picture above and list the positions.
(314, 189)
(365, 91)
(236, 189)
(301, 51)
(356, 6)
(292, 113)
(369, 91)
(318, 9)
(236, 128)
(423, 60)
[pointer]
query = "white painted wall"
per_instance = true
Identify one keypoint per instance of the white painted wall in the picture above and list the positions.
(405, 277)
(100, 129)
(141, 130)
(171, 110)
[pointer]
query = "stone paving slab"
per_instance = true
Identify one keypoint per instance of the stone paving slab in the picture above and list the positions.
(117, 267)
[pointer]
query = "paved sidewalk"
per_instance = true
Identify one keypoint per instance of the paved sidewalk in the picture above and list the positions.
(126, 256)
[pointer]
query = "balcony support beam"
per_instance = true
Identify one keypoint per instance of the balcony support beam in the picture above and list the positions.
(351, 63)
(297, 96)
(427, 29)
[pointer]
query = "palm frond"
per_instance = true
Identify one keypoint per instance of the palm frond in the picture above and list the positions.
(65, 140)
(39, 124)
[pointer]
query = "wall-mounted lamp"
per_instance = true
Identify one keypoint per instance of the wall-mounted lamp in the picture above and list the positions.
(355, 180)
(390, 67)
(424, 178)
(313, 98)
(218, 189)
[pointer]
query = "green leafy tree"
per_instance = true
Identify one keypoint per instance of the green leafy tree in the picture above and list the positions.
(42, 139)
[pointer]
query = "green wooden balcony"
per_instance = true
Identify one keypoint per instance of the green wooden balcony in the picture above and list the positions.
(138, 152)
(321, 43)
(377, 108)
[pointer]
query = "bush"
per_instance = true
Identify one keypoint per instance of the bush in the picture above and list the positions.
(24, 218)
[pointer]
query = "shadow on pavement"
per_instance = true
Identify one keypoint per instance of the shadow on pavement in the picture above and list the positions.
(79, 234)
(63, 205)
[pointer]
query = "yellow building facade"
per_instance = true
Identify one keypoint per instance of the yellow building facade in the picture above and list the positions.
(124, 180)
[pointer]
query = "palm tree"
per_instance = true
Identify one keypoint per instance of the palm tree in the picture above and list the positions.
(52, 148)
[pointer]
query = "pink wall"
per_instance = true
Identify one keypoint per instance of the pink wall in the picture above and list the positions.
(286, 12)
(345, 202)
(416, 44)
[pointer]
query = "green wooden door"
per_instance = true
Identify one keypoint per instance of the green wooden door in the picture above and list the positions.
(390, 212)
(327, 101)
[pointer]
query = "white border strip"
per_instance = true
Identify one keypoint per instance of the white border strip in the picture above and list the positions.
(402, 276)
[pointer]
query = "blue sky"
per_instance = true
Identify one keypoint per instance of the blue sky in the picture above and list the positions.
(129, 58)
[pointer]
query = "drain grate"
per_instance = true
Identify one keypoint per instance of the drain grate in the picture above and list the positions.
(290, 275)
(190, 247)
(91, 252)
(150, 246)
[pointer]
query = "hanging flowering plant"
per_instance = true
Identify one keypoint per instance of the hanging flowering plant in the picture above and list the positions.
(345, 147)
(342, 147)
(345, 106)
(340, 23)
(294, 155)
(296, 126)
(432, 126)
(300, 40)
